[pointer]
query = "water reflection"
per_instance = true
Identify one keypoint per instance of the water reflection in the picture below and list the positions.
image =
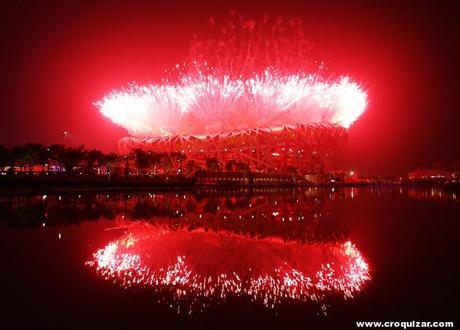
(303, 215)
(193, 249)
(193, 268)
(270, 209)
(230, 253)
(433, 193)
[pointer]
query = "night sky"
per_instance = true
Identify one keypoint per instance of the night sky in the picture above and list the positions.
(57, 58)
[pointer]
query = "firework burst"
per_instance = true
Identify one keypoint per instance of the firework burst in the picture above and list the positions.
(247, 74)
(211, 104)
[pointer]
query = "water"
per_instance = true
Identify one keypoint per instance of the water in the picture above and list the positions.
(316, 258)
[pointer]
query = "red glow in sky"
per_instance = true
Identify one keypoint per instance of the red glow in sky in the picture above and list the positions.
(58, 58)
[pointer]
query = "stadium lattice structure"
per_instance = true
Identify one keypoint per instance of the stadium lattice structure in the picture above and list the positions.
(295, 148)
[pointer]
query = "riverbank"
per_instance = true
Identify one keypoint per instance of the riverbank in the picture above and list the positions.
(60, 184)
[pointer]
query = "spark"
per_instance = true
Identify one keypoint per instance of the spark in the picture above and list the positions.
(247, 74)
(212, 104)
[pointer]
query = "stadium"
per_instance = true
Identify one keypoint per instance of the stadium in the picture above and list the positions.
(286, 149)
(237, 100)
(283, 124)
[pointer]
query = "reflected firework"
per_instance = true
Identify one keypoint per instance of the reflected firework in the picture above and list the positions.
(191, 250)
(191, 269)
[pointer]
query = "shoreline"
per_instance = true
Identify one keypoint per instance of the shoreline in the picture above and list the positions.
(20, 186)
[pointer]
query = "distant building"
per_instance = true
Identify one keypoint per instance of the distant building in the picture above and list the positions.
(433, 175)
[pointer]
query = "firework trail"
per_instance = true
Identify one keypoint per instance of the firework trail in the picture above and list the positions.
(244, 47)
(210, 104)
(245, 75)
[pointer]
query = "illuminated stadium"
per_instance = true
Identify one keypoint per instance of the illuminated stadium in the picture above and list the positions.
(307, 148)
(233, 102)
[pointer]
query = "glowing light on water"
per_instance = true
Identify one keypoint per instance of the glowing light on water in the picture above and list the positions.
(196, 268)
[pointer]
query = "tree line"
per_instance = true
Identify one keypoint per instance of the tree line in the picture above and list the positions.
(77, 160)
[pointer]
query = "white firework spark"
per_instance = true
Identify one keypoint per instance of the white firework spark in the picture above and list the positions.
(208, 103)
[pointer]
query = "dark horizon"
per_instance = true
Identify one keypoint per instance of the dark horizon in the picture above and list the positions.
(58, 58)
